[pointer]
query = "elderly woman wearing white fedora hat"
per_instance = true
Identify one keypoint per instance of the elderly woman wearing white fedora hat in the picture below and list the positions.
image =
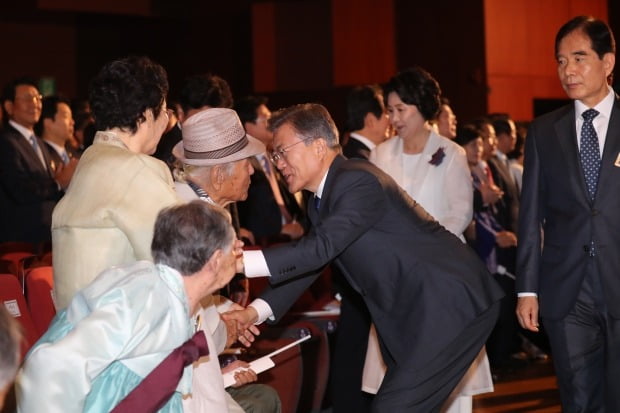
(214, 154)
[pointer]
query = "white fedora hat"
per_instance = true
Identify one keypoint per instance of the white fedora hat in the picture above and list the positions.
(215, 136)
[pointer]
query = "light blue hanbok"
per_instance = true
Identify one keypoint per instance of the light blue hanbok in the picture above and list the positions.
(112, 334)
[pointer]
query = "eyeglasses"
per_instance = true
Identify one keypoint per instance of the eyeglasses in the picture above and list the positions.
(30, 98)
(280, 153)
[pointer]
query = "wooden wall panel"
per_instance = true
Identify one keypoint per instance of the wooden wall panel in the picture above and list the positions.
(447, 39)
(363, 41)
(293, 50)
(520, 59)
(264, 47)
(134, 7)
(39, 50)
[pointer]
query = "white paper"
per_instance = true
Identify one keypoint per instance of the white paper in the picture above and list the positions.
(258, 365)
(261, 364)
(13, 308)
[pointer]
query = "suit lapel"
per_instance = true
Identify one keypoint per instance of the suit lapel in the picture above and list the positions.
(28, 151)
(611, 151)
(566, 136)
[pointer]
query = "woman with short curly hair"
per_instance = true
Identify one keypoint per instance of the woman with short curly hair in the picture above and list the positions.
(106, 217)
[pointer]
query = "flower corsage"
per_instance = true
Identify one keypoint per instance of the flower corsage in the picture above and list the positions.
(437, 157)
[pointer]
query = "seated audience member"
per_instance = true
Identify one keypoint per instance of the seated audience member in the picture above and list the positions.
(124, 323)
(504, 343)
(172, 136)
(270, 212)
(486, 193)
(446, 120)
(106, 217)
(29, 188)
(83, 117)
(55, 127)
(199, 92)
(218, 177)
(203, 91)
(10, 340)
(215, 153)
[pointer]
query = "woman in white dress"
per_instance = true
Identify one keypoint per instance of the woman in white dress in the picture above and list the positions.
(432, 170)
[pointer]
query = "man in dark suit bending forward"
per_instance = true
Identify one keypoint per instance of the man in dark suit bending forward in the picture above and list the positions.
(430, 297)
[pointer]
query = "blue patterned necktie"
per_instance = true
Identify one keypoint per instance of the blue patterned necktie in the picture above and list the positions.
(317, 202)
(589, 151)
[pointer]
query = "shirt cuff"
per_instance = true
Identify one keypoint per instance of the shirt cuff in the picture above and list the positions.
(255, 264)
(263, 309)
(526, 294)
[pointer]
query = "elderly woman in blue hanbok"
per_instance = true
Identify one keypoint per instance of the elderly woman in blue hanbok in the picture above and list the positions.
(124, 323)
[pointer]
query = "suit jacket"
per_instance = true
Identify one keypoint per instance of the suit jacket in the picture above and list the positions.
(28, 192)
(444, 190)
(260, 212)
(413, 274)
(56, 159)
(355, 149)
(554, 197)
(508, 206)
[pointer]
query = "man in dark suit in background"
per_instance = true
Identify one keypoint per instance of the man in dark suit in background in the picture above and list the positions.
(367, 120)
(571, 190)
(270, 212)
(55, 127)
(29, 188)
(369, 125)
(504, 344)
(430, 297)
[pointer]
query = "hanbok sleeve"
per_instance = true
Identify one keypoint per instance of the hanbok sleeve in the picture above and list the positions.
(58, 373)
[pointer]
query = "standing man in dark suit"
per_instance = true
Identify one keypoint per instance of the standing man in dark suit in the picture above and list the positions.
(504, 343)
(29, 188)
(569, 235)
(270, 212)
(369, 125)
(430, 297)
(55, 127)
(367, 120)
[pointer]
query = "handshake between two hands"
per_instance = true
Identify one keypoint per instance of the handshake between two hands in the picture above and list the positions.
(240, 326)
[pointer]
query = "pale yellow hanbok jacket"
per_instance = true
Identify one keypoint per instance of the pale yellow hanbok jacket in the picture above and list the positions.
(107, 215)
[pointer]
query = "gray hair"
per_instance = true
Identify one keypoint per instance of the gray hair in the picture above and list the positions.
(10, 340)
(200, 173)
(311, 120)
(187, 235)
